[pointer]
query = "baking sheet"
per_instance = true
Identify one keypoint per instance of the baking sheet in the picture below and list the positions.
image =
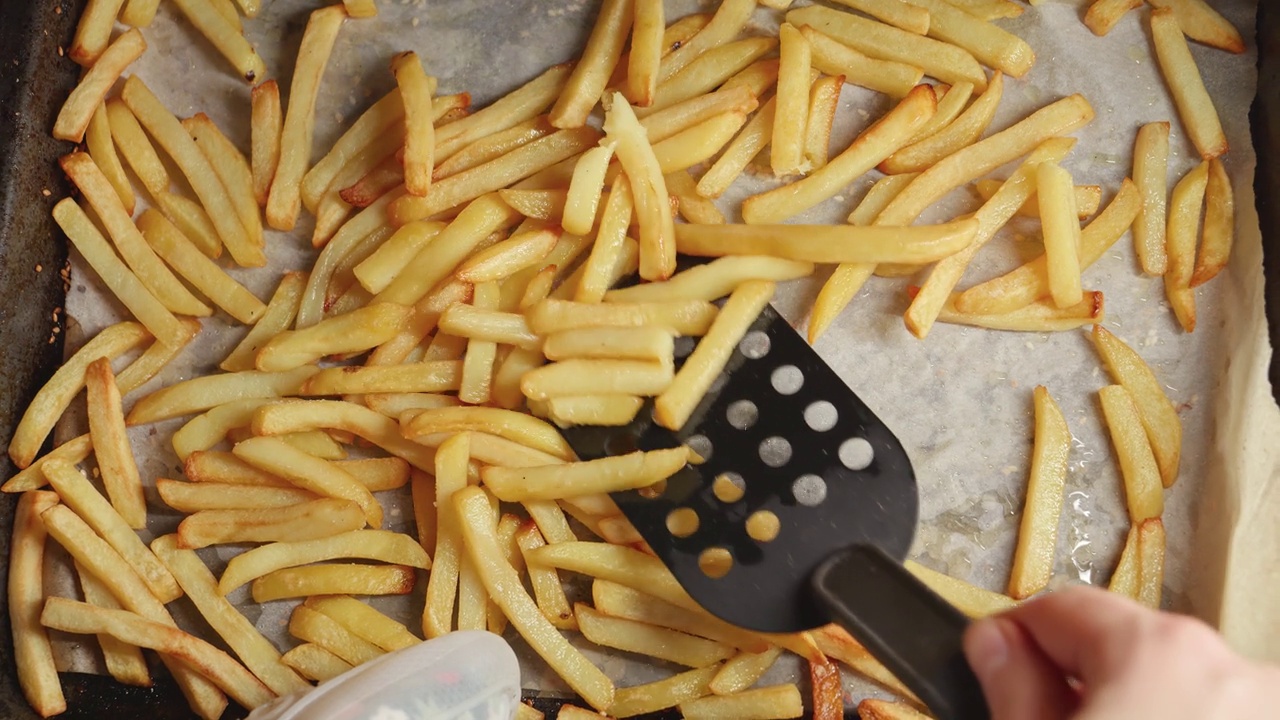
(960, 401)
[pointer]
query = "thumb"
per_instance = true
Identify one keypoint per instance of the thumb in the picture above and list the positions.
(1019, 682)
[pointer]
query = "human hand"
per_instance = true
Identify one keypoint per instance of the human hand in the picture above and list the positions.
(1087, 654)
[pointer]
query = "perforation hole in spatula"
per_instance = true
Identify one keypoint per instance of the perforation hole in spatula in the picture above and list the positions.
(779, 433)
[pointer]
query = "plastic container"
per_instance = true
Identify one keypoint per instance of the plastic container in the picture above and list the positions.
(469, 675)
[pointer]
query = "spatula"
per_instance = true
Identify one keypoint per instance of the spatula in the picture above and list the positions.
(791, 451)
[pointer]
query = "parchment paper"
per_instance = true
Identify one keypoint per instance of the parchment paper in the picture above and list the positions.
(961, 400)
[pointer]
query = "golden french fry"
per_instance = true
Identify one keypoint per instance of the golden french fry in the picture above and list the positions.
(836, 643)
(93, 32)
(674, 406)
(321, 477)
(225, 36)
(1103, 15)
(1200, 22)
(876, 143)
(828, 690)
(73, 119)
(1219, 225)
(731, 163)
(202, 393)
(140, 258)
(285, 199)
(476, 379)
(297, 415)
(314, 662)
(547, 589)
(713, 280)
(424, 377)
(192, 220)
(596, 377)
(333, 579)
(1038, 536)
(419, 137)
(941, 60)
(257, 653)
(692, 207)
(200, 271)
(604, 410)
(500, 579)
(515, 426)
(684, 317)
(1159, 416)
(360, 8)
(643, 62)
(725, 25)
(523, 103)
(395, 404)
(992, 9)
(136, 148)
(37, 673)
(1088, 198)
(612, 474)
(620, 343)
(988, 43)
(521, 250)
(321, 630)
(786, 154)
(966, 128)
(1184, 220)
(154, 359)
(82, 618)
(1061, 226)
(775, 701)
(709, 71)
(583, 197)
(970, 599)
(385, 546)
(1125, 580)
(835, 58)
(305, 521)
(32, 477)
(140, 13)
(898, 13)
(1039, 316)
(608, 247)
(824, 97)
(952, 100)
(663, 694)
(377, 122)
(1150, 174)
(591, 73)
(382, 266)
(190, 497)
(489, 147)
(742, 671)
(124, 662)
(56, 395)
(1151, 542)
(1142, 484)
(828, 244)
(265, 125)
(102, 149)
(442, 585)
(469, 321)
(1195, 106)
(621, 601)
(232, 169)
(276, 317)
(652, 640)
(876, 709)
(364, 622)
(1030, 282)
(353, 332)
(648, 190)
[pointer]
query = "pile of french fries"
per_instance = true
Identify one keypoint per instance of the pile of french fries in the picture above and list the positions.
(465, 304)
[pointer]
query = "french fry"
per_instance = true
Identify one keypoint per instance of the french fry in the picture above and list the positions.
(521, 250)
(1039, 316)
(1150, 170)
(940, 60)
(364, 621)
(611, 474)
(547, 589)
(1061, 226)
(168, 132)
(124, 662)
(203, 274)
(202, 393)
(232, 169)
(154, 359)
(93, 31)
(321, 477)
(967, 128)
(835, 58)
(1103, 15)
(621, 601)
(494, 146)
(265, 125)
(735, 158)
(190, 497)
(1143, 490)
(713, 280)
(900, 14)
(37, 673)
(102, 149)
(285, 199)
(591, 73)
(1158, 413)
(82, 618)
(610, 238)
(1219, 225)
(1030, 282)
(333, 579)
(361, 8)
(596, 377)
(57, 393)
(353, 332)
(725, 25)
(319, 629)
(1195, 106)
(674, 406)
(970, 599)
(380, 120)
(523, 103)
(743, 670)
(709, 71)
(652, 640)
(140, 258)
(469, 321)
(828, 691)
(684, 317)
(1038, 535)
(775, 701)
(1088, 198)
(305, 521)
(136, 148)
(1126, 578)
(692, 207)
(584, 189)
(1200, 22)
(384, 546)
(1151, 542)
(442, 584)
(277, 316)
(494, 175)
(786, 154)
(32, 477)
(648, 190)
(377, 271)
(836, 643)
(992, 9)
(226, 36)
(518, 427)
(872, 146)
(824, 97)
(476, 380)
(419, 137)
(829, 244)
(314, 662)
(257, 653)
(604, 410)
(73, 119)
(622, 343)
(876, 709)
(140, 13)
(294, 416)
(663, 694)
(988, 43)
(503, 584)
(189, 216)
(1184, 220)
(424, 377)
(951, 103)
(648, 28)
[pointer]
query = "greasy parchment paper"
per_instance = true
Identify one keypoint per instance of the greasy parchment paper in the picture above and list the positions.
(960, 401)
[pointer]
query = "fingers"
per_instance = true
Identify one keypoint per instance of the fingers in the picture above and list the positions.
(1019, 682)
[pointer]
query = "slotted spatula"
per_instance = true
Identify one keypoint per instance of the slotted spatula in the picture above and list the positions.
(781, 433)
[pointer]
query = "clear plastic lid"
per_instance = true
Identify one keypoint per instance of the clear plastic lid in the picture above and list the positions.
(461, 676)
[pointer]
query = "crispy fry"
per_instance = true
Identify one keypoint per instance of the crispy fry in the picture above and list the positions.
(900, 14)
(775, 701)
(1158, 414)
(427, 377)
(32, 477)
(385, 546)
(321, 477)
(684, 317)
(1061, 226)
(1143, 489)
(692, 207)
(333, 579)
(305, 521)
(743, 670)
(663, 694)
(605, 410)
(596, 377)
(648, 190)
(621, 601)
(476, 380)
(1195, 106)
(361, 8)
(202, 393)
(293, 416)
(1219, 225)
(37, 673)
(836, 643)
(382, 266)
(1200, 22)
(621, 343)
(1103, 15)
(876, 709)
(523, 103)
(828, 691)
(518, 427)
(124, 662)
(111, 445)
(827, 244)
(442, 585)
(278, 315)
(652, 640)
(591, 73)
(320, 629)
(610, 238)
(1151, 542)
(646, 51)
(992, 9)
(265, 125)
(419, 141)
(835, 58)
(709, 71)
(314, 662)
(1125, 580)
(102, 149)
(353, 332)
(1184, 220)
(971, 600)
(547, 589)
(74, 117)
(952, 100)
(967, 128)
(364, 621)
(190, 497)
(728, 21)
(93, 32)
(1088, 197)
(225, 36)
(634, 470)
(824, 97)
(786, 146)
(192, 220)
(494, 146)
(200, 271)
(1038, 536)
(232, 169)
(584, 189)
(521, 250)
(136, 148)
(1039, 316)
(154, 359)
(991, 45)
(380, 120)
(731, 163)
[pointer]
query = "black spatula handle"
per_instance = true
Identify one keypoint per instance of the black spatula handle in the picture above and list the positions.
(915, 633)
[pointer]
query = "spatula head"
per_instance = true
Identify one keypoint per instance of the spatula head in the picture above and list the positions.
(782, 427)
